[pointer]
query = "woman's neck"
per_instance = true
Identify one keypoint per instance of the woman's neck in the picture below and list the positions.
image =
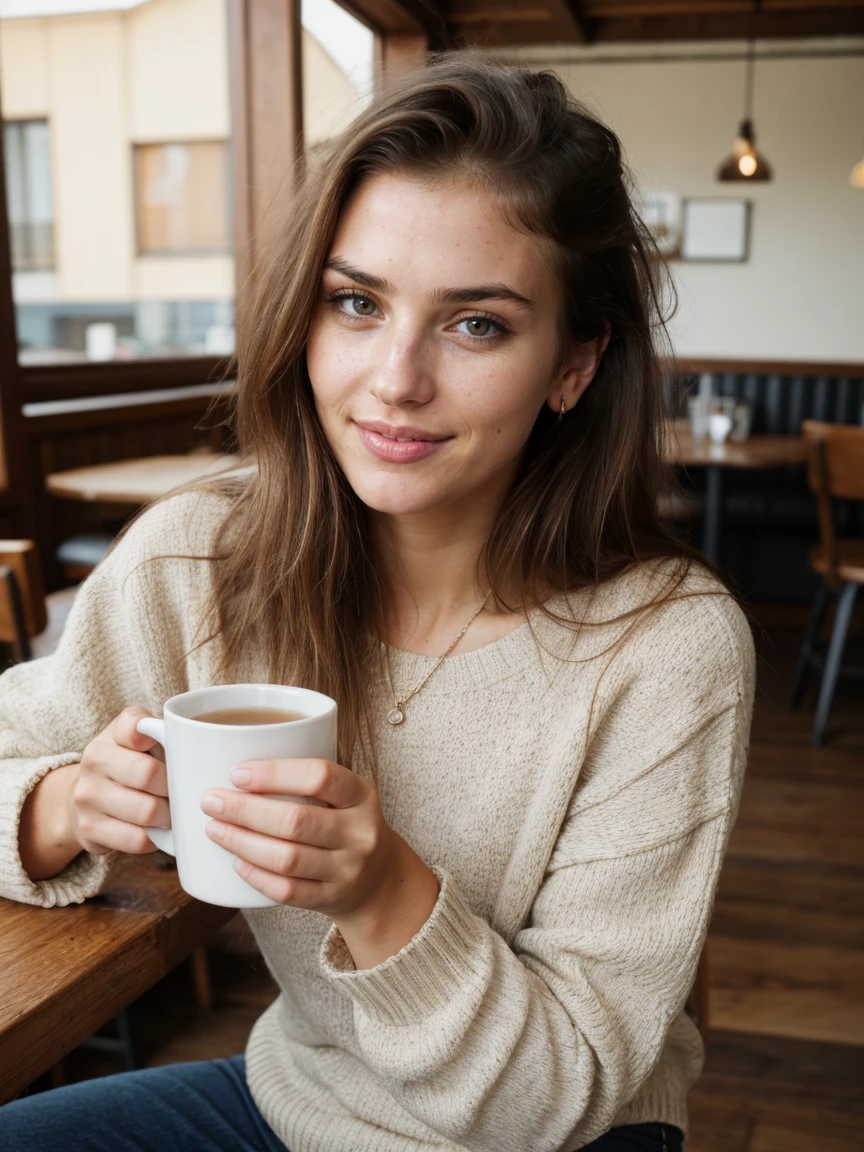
(430, 561)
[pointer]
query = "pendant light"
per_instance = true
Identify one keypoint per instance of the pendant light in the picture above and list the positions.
(746, 163)
(856, 176)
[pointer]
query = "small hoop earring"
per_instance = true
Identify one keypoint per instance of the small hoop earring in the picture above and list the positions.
(562, 411)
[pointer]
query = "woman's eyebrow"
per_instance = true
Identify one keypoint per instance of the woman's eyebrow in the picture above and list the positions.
(439, 295)
(481, 292)
(376, 283)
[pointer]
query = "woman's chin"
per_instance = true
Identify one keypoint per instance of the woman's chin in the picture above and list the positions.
(398, 497)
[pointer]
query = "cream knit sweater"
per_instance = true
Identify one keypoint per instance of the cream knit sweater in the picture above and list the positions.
(578, 851)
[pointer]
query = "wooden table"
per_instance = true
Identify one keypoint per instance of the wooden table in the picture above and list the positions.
(135, 481)
(68, 971)
(755, 452)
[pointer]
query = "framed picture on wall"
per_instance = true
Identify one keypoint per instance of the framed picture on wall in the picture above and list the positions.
(716, 230)
(661, 214)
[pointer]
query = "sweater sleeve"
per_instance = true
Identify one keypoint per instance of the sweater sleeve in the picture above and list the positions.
(50, 709)
(123, 644)
(539, 1042)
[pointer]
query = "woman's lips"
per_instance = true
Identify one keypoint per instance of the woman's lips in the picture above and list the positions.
(398, 451)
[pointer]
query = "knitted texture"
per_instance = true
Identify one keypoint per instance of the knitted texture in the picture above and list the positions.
(574, 797)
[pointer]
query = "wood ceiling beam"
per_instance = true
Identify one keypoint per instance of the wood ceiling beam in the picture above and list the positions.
(399, 15)
(502, 16)
(582, 20)
(620, 9)
(488, 23)
(496, 24)
(773, 25)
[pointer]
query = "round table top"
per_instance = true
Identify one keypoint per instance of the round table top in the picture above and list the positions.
(139, 481)
(135, 481)
(755, 452)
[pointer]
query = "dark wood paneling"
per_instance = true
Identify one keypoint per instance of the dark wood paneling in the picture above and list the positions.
(695, 367)
(64, 381)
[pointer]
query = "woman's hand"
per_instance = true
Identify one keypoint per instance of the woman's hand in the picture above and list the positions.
(343, 860)
(104, 802)
(120, 790)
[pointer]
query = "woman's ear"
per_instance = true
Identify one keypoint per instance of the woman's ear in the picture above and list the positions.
(578, 370)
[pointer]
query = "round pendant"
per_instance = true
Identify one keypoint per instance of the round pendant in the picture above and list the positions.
(395, 716)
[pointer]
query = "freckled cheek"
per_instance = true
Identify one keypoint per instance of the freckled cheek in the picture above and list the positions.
(501, 410)
(334, 374)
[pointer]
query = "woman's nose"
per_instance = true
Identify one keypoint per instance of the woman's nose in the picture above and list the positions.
(403, 373)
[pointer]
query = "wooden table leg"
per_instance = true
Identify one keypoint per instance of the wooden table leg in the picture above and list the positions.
(201, 979)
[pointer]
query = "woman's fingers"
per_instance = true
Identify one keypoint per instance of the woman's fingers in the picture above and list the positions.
(317, 779)
(281, 857)
(283, 819)
(134, 807)
(282, 889)
(124, 730)
(104, 834)
(137, 770)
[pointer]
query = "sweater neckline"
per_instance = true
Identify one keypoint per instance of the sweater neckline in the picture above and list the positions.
(482, 666)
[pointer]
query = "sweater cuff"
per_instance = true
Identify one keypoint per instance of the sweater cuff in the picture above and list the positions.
(448, 954)
(81, 878)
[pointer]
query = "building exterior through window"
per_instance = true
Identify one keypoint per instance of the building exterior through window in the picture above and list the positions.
(119, 156)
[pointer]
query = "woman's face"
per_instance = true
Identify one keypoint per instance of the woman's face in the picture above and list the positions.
(434, 345)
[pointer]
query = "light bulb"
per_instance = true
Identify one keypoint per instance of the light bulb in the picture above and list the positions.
(856, 176)
(747, 164)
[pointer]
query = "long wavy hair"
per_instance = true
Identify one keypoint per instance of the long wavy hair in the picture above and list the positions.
(296, 572)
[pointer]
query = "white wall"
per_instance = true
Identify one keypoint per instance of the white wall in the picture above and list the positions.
(801, 294)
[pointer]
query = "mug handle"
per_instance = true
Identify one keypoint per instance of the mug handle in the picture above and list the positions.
(163, 838)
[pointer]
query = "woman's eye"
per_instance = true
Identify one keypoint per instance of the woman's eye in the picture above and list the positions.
(358, 305)
(480, 327)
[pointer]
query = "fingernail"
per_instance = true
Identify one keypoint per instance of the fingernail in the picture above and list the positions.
(242, 866)
(215, 829)
(212, 804)
(240, 776)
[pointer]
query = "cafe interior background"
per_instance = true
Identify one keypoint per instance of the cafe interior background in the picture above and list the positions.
(148, 145)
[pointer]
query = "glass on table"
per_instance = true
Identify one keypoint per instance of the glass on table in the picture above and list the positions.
(721, 418)
(742, 421)
(697, 413)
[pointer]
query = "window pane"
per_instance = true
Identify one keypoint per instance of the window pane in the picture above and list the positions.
(31, 214)
(179, 209)
(118, 155)
(338, 62)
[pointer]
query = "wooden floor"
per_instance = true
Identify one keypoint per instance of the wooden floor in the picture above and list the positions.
(785, 1064)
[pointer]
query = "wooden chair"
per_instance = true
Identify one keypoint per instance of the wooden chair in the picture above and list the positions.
(23, 609)
(836, 471)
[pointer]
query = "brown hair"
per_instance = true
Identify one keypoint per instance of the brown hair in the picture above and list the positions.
(296, 572)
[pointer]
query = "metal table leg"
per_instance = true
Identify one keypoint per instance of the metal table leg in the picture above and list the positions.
(713, 512)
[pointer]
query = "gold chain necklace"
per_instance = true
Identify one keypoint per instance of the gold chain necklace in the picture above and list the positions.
(396, 715)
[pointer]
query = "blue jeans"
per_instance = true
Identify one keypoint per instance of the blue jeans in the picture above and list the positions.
(203, 1107)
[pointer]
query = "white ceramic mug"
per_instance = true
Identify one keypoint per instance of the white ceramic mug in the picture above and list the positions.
(200, 756)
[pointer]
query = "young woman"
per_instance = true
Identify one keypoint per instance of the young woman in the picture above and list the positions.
(449, 389)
